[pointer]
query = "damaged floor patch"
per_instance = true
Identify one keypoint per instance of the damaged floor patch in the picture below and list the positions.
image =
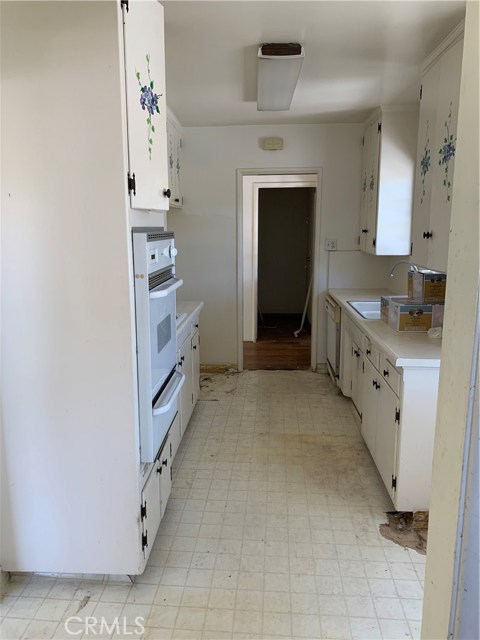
(406, 529)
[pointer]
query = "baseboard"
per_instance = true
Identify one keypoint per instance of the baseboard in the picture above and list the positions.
(218, 368)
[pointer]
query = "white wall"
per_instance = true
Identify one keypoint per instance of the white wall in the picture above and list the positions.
(206, 226)
(458, 354)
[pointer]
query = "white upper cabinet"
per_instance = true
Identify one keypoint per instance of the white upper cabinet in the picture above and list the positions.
(174, 141)
(437, 138)
(146, 104)
(388, 166)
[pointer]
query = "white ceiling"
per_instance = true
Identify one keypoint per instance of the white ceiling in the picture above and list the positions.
(358, 55)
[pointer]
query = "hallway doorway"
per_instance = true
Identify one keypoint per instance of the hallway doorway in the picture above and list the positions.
(285, 250)
(278, 257)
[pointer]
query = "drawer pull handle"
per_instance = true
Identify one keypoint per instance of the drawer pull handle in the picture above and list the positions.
(427, 234)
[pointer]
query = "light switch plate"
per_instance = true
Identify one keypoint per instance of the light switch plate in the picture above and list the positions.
(330, 245)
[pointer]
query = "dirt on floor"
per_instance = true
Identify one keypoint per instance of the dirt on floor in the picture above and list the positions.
(407, 529)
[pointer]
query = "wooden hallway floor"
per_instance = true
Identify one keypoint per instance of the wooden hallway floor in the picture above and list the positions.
(276, 346)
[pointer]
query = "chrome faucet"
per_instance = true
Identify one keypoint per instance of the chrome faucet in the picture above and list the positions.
(413, 267)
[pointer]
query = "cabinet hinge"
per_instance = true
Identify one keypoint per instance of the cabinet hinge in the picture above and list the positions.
(361, 418)
(374, 242)
(363, 141)
(397, 415)
(171, 474)
(379, 127)
(394, 482)
(124, 3)
(144, 540)
(132, 184)
(143, 510)
(363, 367)
(421, 91)
(411, 248)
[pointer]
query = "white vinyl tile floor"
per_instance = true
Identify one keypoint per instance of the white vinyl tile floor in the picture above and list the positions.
(271, 532)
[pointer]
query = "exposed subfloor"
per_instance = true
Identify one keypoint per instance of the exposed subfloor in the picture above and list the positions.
(271, 531)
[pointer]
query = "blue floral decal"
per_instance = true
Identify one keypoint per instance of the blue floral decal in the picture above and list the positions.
(425, 161)
(149, 103)
(447, 152)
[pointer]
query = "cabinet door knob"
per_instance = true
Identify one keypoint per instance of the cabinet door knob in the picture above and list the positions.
(427, 234)
(196, 326)
(194, 347)
(368, 352)
(385, 373)
(165, 462)
(167, 193)
(364, 230)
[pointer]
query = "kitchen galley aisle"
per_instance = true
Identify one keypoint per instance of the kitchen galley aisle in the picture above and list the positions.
(271, 530)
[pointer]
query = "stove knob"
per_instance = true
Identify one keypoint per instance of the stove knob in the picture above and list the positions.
(173, 252)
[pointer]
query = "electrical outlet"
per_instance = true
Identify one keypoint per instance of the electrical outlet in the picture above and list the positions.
(330, 245)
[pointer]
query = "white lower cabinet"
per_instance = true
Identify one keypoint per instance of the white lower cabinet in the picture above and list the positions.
(175, 435)
(185, 365)
(387, 422)
(368, 426)
(163, 467)
(188, 339)
(397, 409)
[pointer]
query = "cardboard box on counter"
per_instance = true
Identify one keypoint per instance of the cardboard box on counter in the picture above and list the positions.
(427, 286)
(407, 315)
(384, 304)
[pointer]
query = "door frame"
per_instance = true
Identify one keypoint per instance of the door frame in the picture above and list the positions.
(249, 181)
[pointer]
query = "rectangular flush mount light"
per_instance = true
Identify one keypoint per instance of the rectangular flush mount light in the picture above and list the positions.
(278, 70)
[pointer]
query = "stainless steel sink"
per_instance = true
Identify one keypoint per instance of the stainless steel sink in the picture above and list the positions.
(368, 309)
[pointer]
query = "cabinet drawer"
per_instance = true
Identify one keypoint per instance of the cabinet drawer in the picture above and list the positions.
(390, 374)
(371, 351)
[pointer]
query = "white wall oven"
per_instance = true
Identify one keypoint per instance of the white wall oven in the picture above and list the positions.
(159, 382)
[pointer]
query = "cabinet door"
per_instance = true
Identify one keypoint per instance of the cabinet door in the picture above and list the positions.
(151, 510)
(174, 147)
(195, 367)
(357, 377)
(386, 437)
(424, 168)
(146, 106)
(164, 471)
(186, 393)
(365, 189)
(371, 379)
(372, 186)
(175, 435)
(443, 155)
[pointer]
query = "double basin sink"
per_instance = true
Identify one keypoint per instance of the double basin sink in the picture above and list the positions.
(368, 309)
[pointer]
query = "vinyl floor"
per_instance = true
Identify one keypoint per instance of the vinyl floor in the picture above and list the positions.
(271, 532)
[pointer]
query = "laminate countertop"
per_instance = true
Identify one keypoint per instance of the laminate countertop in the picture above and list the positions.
(406, 349)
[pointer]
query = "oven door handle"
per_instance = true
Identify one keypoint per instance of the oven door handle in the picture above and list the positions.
(168, 397)
(165, 289)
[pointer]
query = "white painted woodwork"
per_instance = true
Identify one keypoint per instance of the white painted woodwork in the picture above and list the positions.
(71, 478)
(186, 394)
(147, 131)
(368, 427)
(174, 149)
(195, 342)
(188, 339)
(387, 182)
(438, 121)
(386, 435)
(163, 469)
(151, 503)
(400, 373)
(357, 376)
(175, 434)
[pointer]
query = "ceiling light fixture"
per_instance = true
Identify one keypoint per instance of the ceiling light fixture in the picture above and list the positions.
(278, 70)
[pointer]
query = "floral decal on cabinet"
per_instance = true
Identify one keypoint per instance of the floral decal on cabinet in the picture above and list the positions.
(148, 102)
(425, 161)
(447, 152)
